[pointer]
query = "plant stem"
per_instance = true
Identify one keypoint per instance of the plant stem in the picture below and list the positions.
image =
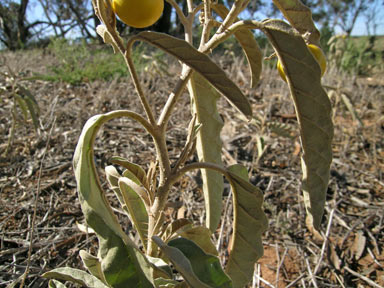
(207, 23)
(155, 217)
(219, 38)
(174, 97)
(136, 82)
(197, 165)
(236, 9)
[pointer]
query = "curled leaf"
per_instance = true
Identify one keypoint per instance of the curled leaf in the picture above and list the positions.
(201, 236)
(135, 169)
(122, 263)
(93, 265)
(300, 17)
(248, 225)
(107, 38)
(208, 145)
(198, 268)
(313, 111)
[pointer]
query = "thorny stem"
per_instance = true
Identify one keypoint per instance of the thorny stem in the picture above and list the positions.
(155, 215)
(162, 154)
(158, 134)
(186, 72)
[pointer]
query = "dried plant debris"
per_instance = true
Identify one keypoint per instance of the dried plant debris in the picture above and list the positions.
(347, 252)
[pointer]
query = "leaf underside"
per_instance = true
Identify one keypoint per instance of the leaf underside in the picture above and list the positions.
(201, 63)
(248, 225)
(300, 17)
(76, 276)
(137, 211)
(208, 145)
(313, 111)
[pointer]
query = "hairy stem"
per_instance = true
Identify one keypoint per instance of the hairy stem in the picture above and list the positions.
(219, 38)
(197, 165)
(174, 97)
(206, 23)
(236, 9)
(139, 90)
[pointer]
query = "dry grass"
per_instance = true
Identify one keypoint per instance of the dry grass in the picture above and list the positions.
(352, 254)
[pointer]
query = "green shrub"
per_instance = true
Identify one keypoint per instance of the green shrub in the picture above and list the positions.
(79, 62)
(357, 55)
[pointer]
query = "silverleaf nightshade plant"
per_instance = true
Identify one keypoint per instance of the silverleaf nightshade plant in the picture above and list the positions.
(143, 194)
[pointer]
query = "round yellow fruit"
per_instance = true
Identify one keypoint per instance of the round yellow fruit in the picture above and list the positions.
(316, 52)
(138, 13)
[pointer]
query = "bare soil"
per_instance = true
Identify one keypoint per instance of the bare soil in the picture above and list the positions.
(40, 165)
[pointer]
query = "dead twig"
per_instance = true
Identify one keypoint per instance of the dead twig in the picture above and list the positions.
(313, 279)
(323, 248)
(32, 228)
(280, 265)
(369, 281)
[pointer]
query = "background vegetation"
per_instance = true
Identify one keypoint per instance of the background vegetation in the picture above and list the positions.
(67, 27)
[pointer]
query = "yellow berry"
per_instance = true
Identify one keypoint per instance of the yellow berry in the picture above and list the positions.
(316, 52)
(138, 13)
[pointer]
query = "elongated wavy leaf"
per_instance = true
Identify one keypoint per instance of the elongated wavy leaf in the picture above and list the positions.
(248, 225)
(313, 111)
(122, 263)
(204, 99)
(300, 17)
(200, 63)
(75, 276)
(135, 205)
(249, 44)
